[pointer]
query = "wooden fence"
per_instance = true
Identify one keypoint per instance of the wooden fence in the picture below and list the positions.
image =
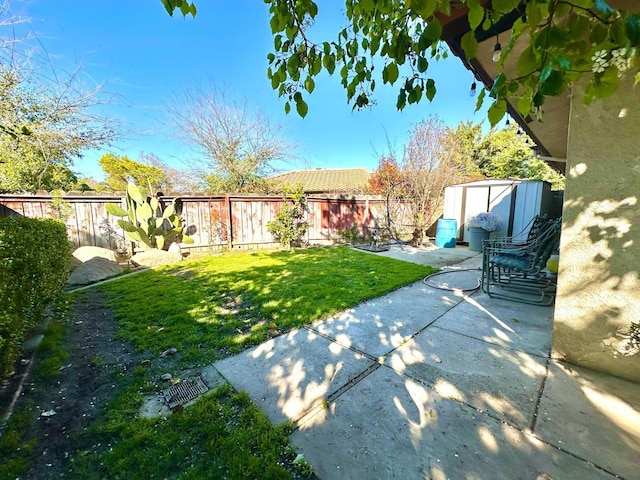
(216, 222)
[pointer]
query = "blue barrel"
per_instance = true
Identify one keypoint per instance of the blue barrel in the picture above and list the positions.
(446, 232)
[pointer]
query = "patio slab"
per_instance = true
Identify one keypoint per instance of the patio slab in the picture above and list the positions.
(593, 416)
(455, 398)
(429, 255)
(503, 382)
(380, 325)
(389, 426)
(292, 374)
(508, 324)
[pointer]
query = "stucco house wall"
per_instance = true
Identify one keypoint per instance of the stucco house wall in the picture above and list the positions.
(599, 277)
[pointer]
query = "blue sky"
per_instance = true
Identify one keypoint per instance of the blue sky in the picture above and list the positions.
(146, 58)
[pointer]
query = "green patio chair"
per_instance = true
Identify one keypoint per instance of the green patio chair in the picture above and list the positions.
(514, 272)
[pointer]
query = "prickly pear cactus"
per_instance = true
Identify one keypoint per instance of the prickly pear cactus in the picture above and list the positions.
(146, 223)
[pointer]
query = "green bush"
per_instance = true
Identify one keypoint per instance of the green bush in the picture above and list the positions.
(35, 257)
(289, 225)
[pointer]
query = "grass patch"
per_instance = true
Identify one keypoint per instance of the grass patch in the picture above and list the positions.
(217, 306)
(223, 435)
(51, 350)
(15, 446)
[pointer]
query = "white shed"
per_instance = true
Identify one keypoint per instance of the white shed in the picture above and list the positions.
(516, 201)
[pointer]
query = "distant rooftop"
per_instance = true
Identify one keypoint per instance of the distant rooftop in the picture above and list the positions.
(326, 180)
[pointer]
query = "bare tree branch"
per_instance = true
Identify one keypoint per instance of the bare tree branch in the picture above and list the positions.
(240, 145)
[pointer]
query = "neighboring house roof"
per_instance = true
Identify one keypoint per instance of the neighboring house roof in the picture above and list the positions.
(329, 180)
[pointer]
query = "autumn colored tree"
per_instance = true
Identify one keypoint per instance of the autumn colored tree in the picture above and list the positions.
(386, 177)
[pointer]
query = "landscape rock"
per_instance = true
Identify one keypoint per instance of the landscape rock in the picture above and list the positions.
(84, 254)
(93, 270)
(154, 258)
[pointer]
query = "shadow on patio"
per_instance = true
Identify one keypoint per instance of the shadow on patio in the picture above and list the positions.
(424, 383)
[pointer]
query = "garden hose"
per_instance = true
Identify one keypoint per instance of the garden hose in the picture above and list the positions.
(452, 289)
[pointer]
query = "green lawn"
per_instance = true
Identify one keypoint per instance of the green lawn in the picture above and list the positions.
(216, 306)
(208, 309)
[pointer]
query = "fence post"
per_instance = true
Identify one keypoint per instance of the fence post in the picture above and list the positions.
(229, 225)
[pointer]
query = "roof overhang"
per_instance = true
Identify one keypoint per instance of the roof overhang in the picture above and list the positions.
(550, 132)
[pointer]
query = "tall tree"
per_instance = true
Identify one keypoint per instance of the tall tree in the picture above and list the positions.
(122, 170)
(46, 116)
(463, 140)
(508, 153)
(45, 127)
(428, 166)
(239, 145)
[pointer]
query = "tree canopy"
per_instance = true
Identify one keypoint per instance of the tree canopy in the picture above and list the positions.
(566, 40)
(122, 170)
(238, 144)
(43, 127)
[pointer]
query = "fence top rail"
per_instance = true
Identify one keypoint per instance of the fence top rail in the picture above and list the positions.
(117, 196)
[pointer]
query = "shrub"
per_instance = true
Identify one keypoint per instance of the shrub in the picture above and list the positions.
(35, 257)
(289, 225)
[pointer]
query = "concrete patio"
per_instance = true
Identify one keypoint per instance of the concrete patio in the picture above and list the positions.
(425, 383)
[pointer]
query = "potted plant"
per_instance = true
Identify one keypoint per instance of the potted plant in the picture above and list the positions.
(480, 226)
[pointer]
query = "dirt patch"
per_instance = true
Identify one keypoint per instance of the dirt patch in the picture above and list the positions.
(63, 406)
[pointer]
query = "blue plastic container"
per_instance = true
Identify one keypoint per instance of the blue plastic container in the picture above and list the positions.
(446, 232)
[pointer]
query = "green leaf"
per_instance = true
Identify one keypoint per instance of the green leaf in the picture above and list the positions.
(116, 210)
(390, 73)
(498, 86)
(504, 6)
(632, 29)
(598, 34)
(187, 239)
(431, 89)
(497, 111)
(546, 72)
(527, 63)
(554, 85)
(402, 100)
(154, 204)
(603, 9)
(475, 16)
(287, 107)
(424, 8)
(606, 85)
(480, 100)
(159, 241)
(525, 105)
(423, 64)
(433, 31)
(301, 107)
(309, 84)
(329, 62)
(469, 45)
